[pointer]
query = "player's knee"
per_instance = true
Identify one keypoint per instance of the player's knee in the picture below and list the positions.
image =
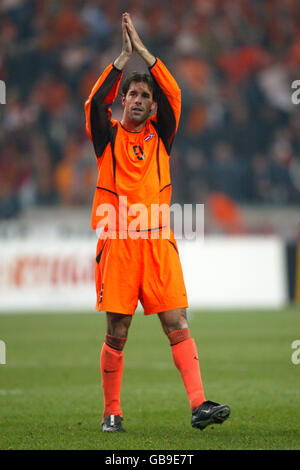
(174, 320)
(118, 325)
(176, 327)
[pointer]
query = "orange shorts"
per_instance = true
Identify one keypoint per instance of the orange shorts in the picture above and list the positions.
(148, 270)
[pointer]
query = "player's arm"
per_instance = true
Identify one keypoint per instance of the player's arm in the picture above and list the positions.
(103, 94)
(97, 108)
(169, 94)
(168, 102)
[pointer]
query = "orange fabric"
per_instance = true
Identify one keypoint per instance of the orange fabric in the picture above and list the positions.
(143, 181)
(137, 180)
(169, 87)
(148, 270)
(185, 357)
(226, 212)
(115, 342)
(111, 363)
(109, 99)
(177, 336)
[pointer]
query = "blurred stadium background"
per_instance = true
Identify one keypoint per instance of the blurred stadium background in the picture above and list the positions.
(237, 150)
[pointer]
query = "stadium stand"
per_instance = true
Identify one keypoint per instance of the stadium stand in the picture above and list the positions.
(235, 62)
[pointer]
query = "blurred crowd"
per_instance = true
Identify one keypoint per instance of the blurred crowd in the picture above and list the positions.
(234, 60)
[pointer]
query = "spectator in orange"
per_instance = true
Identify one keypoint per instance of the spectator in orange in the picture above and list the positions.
(225, 214)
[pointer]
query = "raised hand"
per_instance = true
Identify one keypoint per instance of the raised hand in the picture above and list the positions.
(136, 42)
(126, 52)
(126, 45)
(135, 39)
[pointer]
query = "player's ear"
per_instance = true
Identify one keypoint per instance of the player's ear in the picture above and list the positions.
(153, 106)
(123, 100)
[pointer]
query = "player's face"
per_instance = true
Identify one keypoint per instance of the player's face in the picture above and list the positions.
(138, 102)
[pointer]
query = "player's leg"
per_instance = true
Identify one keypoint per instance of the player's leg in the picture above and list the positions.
(184, 353)
(111, 363)
(117, 294)
(185, 356)
(163, 292)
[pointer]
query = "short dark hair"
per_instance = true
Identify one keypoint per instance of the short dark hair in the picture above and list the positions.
(138, 77)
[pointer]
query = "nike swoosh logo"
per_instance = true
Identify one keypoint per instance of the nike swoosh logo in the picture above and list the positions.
(109, 371)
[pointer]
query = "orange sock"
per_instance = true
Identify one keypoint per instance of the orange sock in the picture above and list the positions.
(185, 357)
(111, 363)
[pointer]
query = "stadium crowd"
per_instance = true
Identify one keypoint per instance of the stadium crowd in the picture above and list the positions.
(234, 60)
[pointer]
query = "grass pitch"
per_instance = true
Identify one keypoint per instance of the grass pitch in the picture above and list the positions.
(50, 396)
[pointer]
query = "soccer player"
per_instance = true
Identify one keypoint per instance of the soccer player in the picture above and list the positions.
(133, 166)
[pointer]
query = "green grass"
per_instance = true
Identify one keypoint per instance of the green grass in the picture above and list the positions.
(50, 396)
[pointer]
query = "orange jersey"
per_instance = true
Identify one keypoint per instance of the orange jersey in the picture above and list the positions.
(134, 165)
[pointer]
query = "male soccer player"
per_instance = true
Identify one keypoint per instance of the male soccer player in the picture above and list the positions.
(133, 163)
